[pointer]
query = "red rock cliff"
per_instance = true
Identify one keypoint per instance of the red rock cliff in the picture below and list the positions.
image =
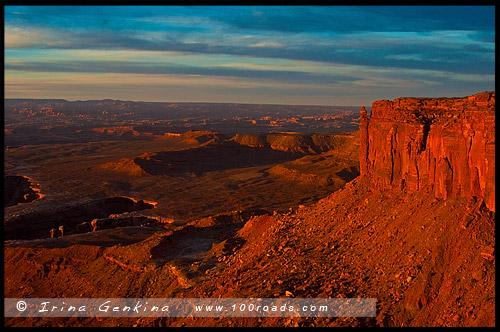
(443, 145)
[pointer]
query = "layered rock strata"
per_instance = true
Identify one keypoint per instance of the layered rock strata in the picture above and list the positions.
(293, 142)
(38, 223)
(442, 145)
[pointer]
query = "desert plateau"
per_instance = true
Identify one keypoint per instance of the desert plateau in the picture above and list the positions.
(249, 166)
(204, 214)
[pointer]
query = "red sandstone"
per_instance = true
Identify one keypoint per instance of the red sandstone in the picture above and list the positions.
(443, 145)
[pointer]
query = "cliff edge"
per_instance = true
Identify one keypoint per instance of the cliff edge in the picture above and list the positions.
(442, 145)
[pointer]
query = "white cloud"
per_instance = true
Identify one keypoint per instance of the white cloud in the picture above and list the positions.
(268, 44)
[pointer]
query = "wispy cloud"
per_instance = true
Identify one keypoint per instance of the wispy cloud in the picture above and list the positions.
(453, 51)
(283, 47)
(169, 69)
(268, 44)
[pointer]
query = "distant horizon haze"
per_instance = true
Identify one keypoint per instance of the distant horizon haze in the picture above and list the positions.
(172, 102)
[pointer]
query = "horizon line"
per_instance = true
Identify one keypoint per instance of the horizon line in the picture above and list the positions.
(237, 103)
(183, 102)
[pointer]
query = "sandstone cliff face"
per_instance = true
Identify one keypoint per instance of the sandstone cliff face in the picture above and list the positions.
(442, 145)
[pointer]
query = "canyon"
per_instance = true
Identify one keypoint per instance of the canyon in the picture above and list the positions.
(56, 121)
(402, 211)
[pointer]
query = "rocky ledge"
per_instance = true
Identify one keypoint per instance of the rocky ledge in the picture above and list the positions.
(56, 221)
(20, 189)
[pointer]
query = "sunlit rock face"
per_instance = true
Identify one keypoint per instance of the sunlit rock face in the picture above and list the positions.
(442, 145)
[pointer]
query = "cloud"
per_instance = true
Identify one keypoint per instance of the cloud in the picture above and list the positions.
(268, 44)
(415, 52)
(360, 18)
(449, 50)
(162, 87)
(134, 67)
(263, 18)
(20, 37)
(423, 48)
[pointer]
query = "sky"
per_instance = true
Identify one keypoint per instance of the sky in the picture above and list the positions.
(304, 55)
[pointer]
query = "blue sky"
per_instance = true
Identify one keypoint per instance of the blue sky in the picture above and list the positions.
(318, 55)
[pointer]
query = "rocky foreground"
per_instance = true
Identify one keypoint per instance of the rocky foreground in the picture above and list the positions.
(421, 243)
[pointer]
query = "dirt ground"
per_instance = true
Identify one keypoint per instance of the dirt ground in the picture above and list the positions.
(428, 262)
